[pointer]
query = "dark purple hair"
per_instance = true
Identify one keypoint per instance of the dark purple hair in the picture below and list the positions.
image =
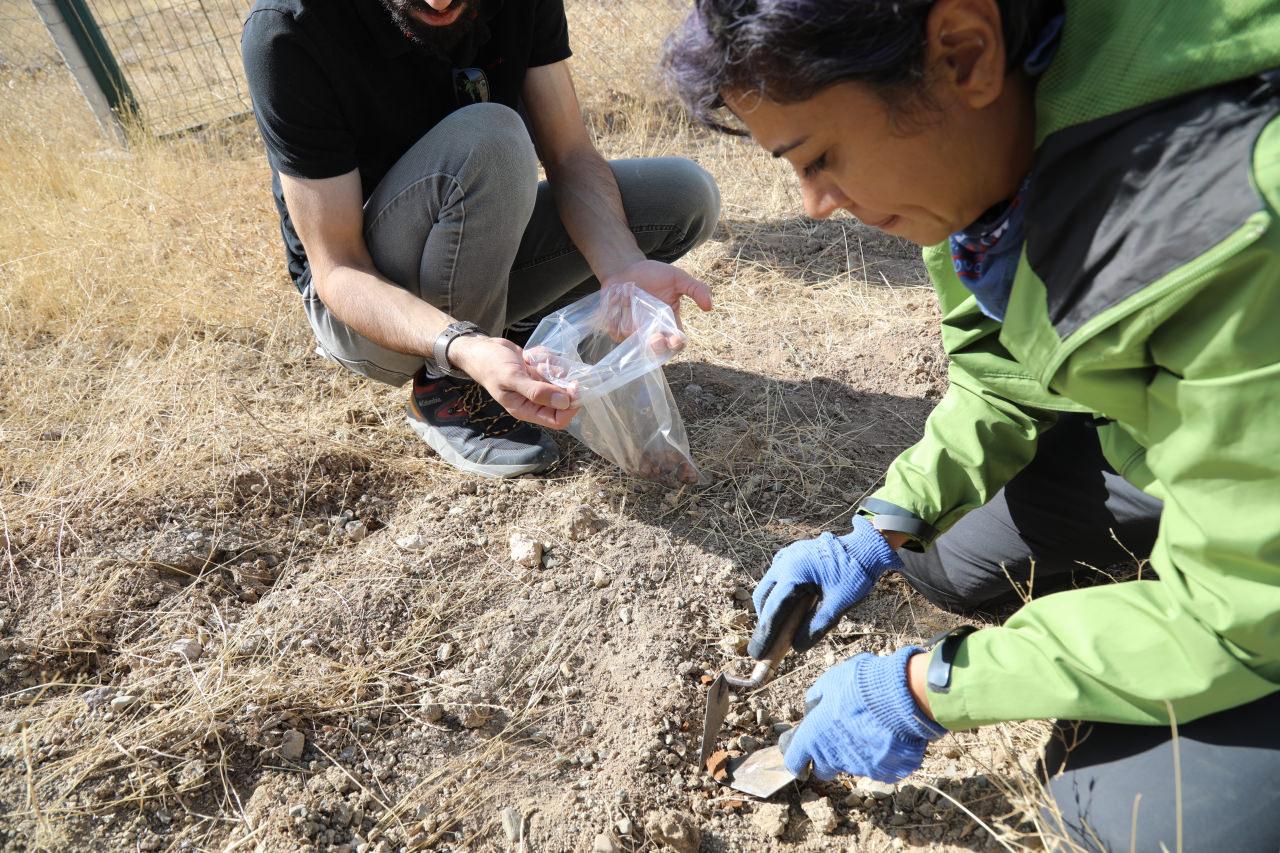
(789, 50)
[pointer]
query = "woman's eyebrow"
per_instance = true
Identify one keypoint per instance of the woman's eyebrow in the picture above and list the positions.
(783, 149)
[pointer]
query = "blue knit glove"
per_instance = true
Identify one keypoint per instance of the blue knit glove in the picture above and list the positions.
(862, 720)
(841, 570)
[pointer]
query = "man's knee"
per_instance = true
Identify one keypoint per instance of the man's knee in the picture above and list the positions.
(695, 198)
(498, 145)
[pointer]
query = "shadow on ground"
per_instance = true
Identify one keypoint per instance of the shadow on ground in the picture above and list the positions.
(817, 251)
(785, 459)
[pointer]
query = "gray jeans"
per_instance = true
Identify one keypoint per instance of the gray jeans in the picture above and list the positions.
(462, 222)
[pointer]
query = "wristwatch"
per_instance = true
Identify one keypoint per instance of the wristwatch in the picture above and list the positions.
(440, 350)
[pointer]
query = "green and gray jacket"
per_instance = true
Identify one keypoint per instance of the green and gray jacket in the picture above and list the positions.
(1148, 294)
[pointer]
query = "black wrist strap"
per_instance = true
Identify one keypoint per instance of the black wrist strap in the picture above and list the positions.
(938, 675)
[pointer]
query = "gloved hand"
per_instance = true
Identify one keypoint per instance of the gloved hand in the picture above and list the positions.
(861, 719)
(841, 570)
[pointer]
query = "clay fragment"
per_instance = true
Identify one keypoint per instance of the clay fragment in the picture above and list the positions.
(718, 765)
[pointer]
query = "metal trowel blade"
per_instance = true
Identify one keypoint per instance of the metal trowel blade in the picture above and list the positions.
(761, 774)
(717, 708)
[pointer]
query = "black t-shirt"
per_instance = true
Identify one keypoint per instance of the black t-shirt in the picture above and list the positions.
(337, 86)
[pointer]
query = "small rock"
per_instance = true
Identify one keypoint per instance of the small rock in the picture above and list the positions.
(625, 615)
(432, 711)
(871, 788)
(600, 579)
(906, 797)
(525, 550)
(123, 702)
(97, 697)
(585, 523)
(747, 744)
(355, 530)
(512, 823)
(444, 652)
(677, 831)
(624, 827)
(604, 843)
(474, 716)
(771, 819)
(291, 745)
(189, 649)
(740, 593)
(820, 811)
(413, 542)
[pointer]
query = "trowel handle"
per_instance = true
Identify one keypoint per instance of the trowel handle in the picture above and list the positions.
(766, 666)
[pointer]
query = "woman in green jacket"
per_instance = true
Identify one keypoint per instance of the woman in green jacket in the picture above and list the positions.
(1097, 183)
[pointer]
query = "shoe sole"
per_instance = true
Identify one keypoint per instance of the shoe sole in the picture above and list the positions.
(437, 442)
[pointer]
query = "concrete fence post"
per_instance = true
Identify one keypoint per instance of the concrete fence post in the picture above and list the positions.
(85, 51)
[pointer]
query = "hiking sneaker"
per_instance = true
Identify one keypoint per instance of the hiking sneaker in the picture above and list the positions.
(471, 431)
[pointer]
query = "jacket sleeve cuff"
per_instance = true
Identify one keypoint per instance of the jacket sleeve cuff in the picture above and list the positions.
(888, 517)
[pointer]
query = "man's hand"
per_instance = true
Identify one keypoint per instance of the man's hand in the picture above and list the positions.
(665, 282)
(499, 366)
(842, 570)
(860, 718)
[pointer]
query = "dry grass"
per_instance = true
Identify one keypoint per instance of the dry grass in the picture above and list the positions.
(166, 433)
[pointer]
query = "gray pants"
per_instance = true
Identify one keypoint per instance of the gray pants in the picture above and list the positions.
(1058, 513)
(462, 222)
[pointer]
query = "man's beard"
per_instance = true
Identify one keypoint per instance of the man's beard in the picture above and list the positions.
(456, 43)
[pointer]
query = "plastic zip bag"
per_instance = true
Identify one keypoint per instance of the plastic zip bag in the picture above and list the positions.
(610, 348)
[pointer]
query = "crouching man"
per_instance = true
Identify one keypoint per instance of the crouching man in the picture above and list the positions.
(415, 227)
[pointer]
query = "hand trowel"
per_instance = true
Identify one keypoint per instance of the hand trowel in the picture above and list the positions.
(762, 773)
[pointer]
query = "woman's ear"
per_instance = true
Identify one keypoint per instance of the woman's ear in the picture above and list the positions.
(965, 51)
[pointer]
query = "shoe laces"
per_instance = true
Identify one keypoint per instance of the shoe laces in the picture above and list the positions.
(484, 412)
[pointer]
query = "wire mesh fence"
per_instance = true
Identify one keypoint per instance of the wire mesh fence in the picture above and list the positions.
(180, 59)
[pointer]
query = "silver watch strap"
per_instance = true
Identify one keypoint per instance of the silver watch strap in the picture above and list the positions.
(440, 351)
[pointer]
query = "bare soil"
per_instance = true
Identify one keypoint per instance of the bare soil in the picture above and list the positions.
(243, 608)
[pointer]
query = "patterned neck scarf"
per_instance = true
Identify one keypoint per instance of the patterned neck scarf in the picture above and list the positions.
(986, 253)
